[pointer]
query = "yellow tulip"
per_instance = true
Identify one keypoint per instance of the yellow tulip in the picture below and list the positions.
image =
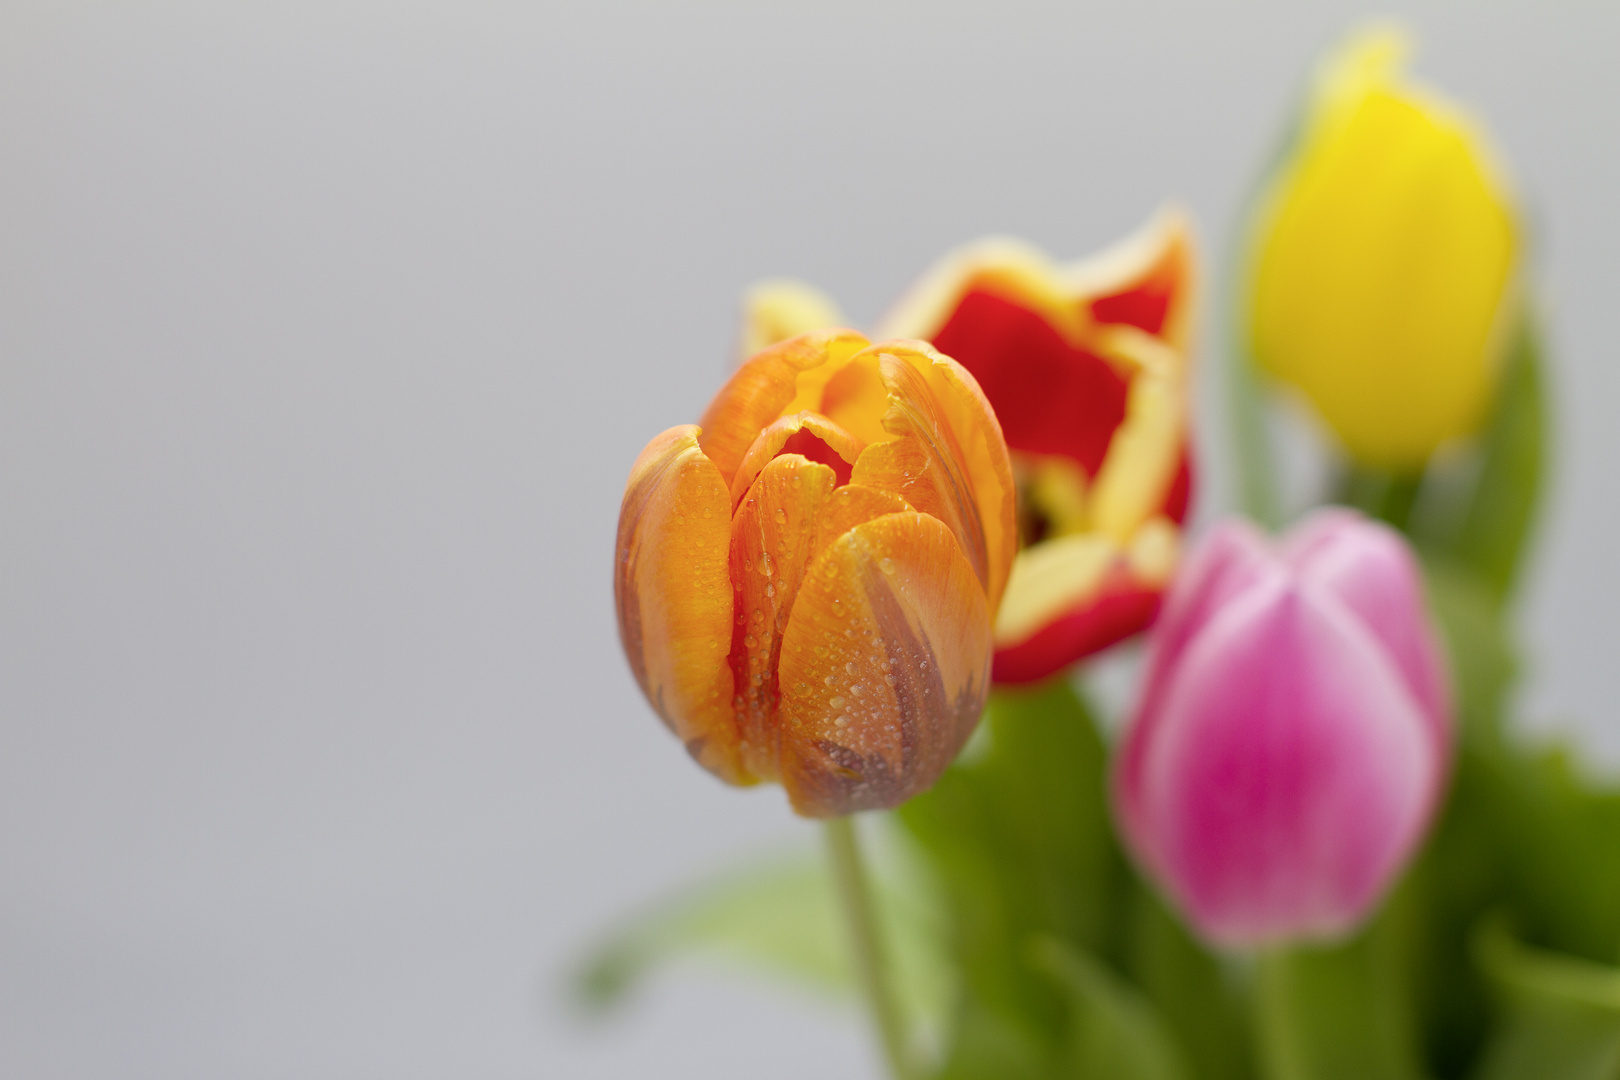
(1383, 260)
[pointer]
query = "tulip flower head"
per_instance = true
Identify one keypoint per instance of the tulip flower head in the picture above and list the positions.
(805, 579)
(1383, 258)
(1086, 366)
(1294, 731)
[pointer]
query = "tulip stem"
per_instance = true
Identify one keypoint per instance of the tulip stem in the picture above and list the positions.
(860, 914)
(1257, 478)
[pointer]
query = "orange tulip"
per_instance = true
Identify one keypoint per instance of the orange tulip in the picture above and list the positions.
(805, 580)
(1086, 366)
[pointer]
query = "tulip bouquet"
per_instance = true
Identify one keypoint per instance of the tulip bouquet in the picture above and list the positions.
(1312, 846)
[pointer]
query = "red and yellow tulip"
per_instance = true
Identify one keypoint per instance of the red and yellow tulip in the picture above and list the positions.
(1086, 366)
(805, 580)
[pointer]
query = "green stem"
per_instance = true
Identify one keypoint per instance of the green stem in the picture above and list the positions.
(855, 895)
(1257, 479)
(1388, 496)
(1339, 1012)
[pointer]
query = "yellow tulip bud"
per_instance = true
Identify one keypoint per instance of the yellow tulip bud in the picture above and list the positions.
(1383, 260)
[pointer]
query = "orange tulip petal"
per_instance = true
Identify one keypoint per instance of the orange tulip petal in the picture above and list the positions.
(884, 668)
(759, 390)
(773, 537)
(853, 505)
(808, 434)
(927, 465)
(672, 588)
(978, 433)
(856, 397)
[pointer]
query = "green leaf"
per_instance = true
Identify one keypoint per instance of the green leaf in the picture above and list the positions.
(1497, 523)
(1115, 1033)
(987, 1045)
(1525, 833)
(1464, 872)
(1478, 640)
(1019, 836)
(1203, 1005)
(1566, 880)
(780, 919)
(1341, 1012)
(1562, 1013)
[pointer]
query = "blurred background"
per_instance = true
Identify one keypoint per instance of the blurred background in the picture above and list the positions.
(328, 333)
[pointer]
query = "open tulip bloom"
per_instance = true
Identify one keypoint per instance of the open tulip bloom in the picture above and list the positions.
(1086, 366)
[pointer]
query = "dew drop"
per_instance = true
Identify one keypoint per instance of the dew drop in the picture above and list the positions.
(836, 702)
(750, 641)
(781, 516)
(708, 511)
(889, 679)
(857, 689)
(886, 564)
(842, 722)
(849, 668)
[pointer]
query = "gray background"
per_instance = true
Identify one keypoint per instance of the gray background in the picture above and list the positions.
(327, 336)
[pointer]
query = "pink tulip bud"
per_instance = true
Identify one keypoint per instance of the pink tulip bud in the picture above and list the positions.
(1294, 730)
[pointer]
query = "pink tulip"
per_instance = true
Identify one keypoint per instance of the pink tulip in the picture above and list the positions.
(1293, 735)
